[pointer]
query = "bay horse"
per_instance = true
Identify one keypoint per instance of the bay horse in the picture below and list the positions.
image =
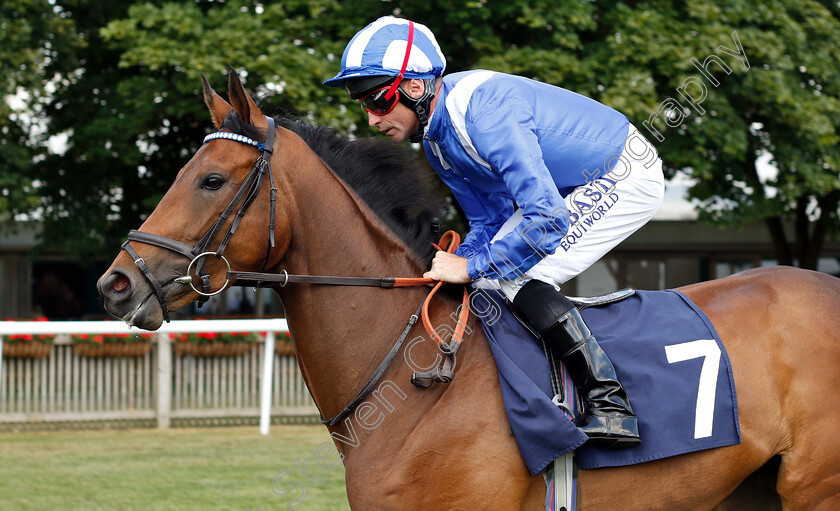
(449, 446)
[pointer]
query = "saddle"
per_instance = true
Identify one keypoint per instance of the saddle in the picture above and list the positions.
(659, 342)
(564, 395)
(561, 475)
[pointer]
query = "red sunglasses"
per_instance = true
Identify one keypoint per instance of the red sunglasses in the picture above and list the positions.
(382, 101)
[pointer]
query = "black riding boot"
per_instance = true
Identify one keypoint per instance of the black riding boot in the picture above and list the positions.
(608, 419)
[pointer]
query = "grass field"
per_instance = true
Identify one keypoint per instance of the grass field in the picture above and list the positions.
(207, 468)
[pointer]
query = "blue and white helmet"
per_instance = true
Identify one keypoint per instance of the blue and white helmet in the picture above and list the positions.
(379, 50)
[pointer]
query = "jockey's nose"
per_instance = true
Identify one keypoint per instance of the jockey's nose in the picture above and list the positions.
(373, 120)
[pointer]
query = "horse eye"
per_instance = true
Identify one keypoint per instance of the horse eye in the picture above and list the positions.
(213, 183)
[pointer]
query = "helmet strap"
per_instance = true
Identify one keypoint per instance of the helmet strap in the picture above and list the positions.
(421, 106)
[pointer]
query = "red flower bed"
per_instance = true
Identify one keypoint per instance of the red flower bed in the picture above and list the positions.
(112, 345)
(27, 345)
(214, 344)
(125, 338)
(24, 338)
(283, 344)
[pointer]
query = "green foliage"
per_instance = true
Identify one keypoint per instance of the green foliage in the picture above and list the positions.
(31, 31)
(125, 87)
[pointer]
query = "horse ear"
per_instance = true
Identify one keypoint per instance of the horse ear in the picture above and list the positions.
(245, 107)
(218, 107)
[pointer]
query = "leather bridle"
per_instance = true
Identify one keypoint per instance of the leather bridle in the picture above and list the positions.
(246, 195)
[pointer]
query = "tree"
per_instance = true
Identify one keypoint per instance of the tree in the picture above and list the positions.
(31, 31)
(782, 98)
(129, 93)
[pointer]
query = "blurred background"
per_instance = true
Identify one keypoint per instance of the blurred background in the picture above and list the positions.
(102, 106)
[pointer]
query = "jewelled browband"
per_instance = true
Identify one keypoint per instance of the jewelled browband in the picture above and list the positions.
(235, 137)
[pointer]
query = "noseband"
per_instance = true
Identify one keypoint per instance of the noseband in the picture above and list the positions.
(246, 194)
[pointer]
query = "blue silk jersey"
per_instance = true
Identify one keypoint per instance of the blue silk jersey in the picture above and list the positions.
(500, 141)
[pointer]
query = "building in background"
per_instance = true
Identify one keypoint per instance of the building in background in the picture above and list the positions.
(671, 251)
(36, 283)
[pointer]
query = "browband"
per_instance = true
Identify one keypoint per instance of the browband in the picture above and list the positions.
(233, 136)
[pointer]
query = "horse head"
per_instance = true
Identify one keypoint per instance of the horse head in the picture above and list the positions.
(223, 204)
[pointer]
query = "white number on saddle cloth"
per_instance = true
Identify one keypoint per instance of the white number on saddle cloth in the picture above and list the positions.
(709, 350)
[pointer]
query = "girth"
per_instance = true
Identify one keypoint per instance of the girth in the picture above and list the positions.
(247, 193)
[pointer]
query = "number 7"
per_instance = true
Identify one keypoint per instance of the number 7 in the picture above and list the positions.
(707, 348)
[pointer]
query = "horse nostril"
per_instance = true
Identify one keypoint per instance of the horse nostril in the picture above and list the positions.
(116, 284)
(121, 282)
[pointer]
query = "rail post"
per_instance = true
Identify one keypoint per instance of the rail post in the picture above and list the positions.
(1, 365)
(164, 380)
(266, 384)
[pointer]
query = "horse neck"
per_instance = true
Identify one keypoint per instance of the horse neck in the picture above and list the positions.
(340, 332)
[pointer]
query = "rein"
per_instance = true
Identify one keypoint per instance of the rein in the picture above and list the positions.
(247, 193)
(443, 373)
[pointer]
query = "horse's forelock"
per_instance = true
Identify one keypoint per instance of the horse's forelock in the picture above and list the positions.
(235, 124)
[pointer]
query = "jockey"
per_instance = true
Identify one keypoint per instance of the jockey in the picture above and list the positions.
(549, 180)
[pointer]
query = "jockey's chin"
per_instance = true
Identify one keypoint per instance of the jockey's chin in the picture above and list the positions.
(399, 124)
(397, 134)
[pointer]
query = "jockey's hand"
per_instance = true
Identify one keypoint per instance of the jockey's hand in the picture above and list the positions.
(449, 268)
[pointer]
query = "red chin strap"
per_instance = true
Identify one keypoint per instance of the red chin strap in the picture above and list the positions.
(396, 83)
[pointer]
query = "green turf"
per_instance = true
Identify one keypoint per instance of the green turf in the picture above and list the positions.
(208, 468)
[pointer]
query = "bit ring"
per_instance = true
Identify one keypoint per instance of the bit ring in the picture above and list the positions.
(189, 269)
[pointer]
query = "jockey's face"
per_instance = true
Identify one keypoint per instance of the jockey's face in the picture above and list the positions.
(401, 122)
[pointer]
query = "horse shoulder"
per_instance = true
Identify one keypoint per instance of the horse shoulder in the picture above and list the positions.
(449, 432)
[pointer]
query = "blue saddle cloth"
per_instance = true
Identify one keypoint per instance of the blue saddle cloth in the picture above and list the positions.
(667, 355)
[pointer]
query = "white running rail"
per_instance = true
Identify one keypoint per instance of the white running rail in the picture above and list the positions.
(164, 365)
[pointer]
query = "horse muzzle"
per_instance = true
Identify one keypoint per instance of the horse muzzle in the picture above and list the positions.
(128, 297)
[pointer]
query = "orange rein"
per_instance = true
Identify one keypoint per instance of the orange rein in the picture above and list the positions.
(450, 240)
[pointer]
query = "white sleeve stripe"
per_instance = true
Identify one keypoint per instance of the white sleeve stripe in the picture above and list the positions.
(436, 152)
(457, 102)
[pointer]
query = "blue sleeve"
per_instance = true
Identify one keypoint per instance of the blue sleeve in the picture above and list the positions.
(504, 135)
(486, 214)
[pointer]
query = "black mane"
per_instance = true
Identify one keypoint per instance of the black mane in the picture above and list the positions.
(386, 176)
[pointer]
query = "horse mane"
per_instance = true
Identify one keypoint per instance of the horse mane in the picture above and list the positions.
(386, 176)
